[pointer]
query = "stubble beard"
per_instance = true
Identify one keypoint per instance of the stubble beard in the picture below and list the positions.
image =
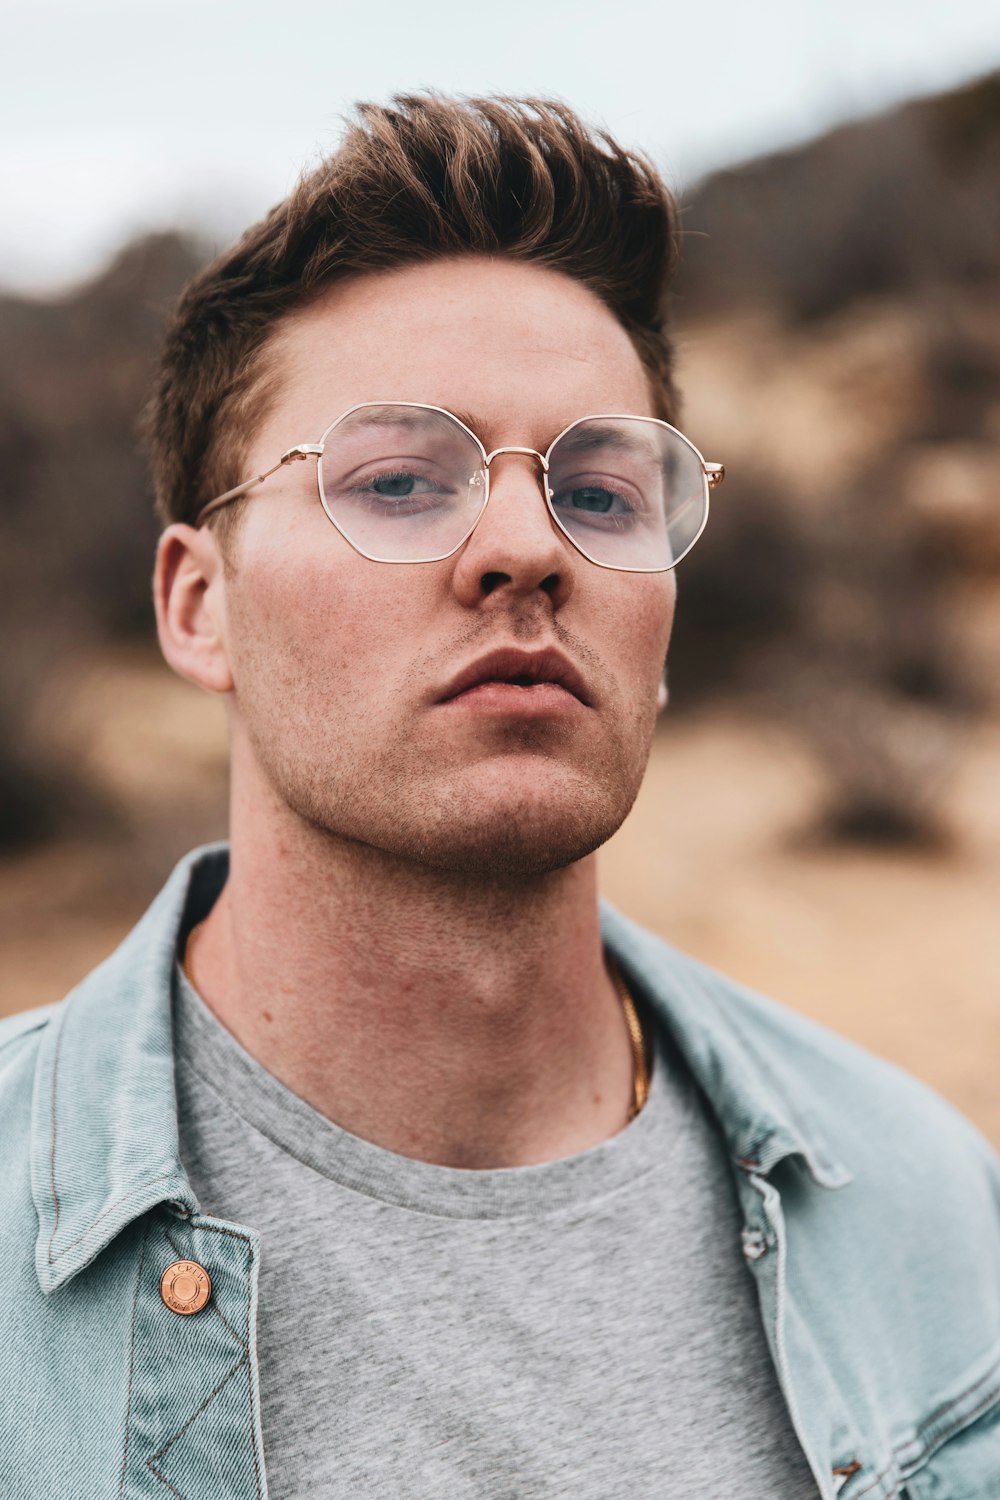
(511, 817)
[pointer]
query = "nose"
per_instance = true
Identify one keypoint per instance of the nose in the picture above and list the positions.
(516, 549)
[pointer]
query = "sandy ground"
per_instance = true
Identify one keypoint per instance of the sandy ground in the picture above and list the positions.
(900, 953)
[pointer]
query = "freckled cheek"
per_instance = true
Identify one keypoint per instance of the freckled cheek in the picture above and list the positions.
(285, 605)
(356, 625)
(664, 613)
(643, 625)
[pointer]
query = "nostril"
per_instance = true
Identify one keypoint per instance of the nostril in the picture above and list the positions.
(491, 581)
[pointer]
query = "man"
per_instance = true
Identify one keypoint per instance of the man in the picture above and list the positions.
(379, 1160)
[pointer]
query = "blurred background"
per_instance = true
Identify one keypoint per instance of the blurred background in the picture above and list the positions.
(821, 818)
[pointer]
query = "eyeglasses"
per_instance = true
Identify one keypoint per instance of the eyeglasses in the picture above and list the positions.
(407, 483)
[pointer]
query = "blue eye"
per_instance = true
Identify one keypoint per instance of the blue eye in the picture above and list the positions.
(394, 486)
(397, 493)
(601, 502)
(592, 498)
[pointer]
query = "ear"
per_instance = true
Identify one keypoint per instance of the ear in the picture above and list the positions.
(662, 694)
(189, 595)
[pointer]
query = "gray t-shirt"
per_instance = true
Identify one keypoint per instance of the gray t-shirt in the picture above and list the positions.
(586, 1327)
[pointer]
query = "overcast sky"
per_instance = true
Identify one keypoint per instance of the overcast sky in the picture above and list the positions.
(118, 115)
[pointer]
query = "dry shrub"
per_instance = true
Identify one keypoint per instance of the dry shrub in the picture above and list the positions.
(76, 521)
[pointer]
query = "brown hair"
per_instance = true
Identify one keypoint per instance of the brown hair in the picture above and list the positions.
(425, 177)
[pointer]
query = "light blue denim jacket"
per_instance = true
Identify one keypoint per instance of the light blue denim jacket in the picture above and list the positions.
(871, 1225)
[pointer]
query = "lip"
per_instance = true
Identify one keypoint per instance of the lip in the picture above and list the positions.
(507, 664)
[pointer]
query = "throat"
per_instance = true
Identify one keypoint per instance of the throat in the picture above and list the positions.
(460, 1025)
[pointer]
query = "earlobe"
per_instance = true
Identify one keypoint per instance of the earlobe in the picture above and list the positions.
(188, 587)
(662, 695)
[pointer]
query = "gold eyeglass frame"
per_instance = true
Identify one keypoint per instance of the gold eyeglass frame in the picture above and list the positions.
(712, 474)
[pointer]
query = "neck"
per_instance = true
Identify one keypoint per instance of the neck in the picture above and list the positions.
(467, 1024)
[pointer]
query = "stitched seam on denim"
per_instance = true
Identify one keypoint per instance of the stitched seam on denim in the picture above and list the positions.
(876, 1483)
(52, 1152)
(222, 1319)
(913, 1466)
(245, 1359)
(161, 1177)
(192, 1418)
(169, 1486)
(233, 1235)
(946, 1406)
(131, 1363)
(256, 1465)
(167, 1482)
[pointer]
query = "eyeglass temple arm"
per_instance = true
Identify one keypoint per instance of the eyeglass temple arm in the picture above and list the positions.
(301, 450)
(714, 474)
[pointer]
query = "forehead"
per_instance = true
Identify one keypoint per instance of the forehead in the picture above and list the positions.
(520, 350)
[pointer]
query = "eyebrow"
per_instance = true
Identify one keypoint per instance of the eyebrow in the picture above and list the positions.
(599, 437)
(388, 415)
(581, 438)
(576, 439)
(470, 422)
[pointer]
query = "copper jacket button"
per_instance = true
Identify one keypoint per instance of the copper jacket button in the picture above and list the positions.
(185, 1286)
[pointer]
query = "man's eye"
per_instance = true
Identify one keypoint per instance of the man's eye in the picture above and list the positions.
(591, 497)
(593, 500)
(395, 486)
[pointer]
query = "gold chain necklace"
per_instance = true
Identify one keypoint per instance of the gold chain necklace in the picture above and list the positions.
(186, 955)
(640, 1073)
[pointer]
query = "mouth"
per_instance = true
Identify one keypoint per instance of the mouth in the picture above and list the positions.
(512, 677)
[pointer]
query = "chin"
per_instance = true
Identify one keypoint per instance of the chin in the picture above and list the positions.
(512, 822)
(509, 849)
(520, 815)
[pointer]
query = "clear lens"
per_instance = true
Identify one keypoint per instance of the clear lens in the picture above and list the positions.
(629, 492)
(407, 483)
(403, 483)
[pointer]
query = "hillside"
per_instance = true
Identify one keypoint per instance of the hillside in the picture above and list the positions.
(905, 204)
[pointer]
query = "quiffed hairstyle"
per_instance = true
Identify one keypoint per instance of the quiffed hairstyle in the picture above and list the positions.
(426, 177)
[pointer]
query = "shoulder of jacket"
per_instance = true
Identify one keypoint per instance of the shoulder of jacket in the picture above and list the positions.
(877, 1117)
(915, 1158)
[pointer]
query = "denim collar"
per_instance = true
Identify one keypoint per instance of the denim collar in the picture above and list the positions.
(105, 1145)
(753, 1058)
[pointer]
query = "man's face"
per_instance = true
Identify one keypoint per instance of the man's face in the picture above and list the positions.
(344, 669)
